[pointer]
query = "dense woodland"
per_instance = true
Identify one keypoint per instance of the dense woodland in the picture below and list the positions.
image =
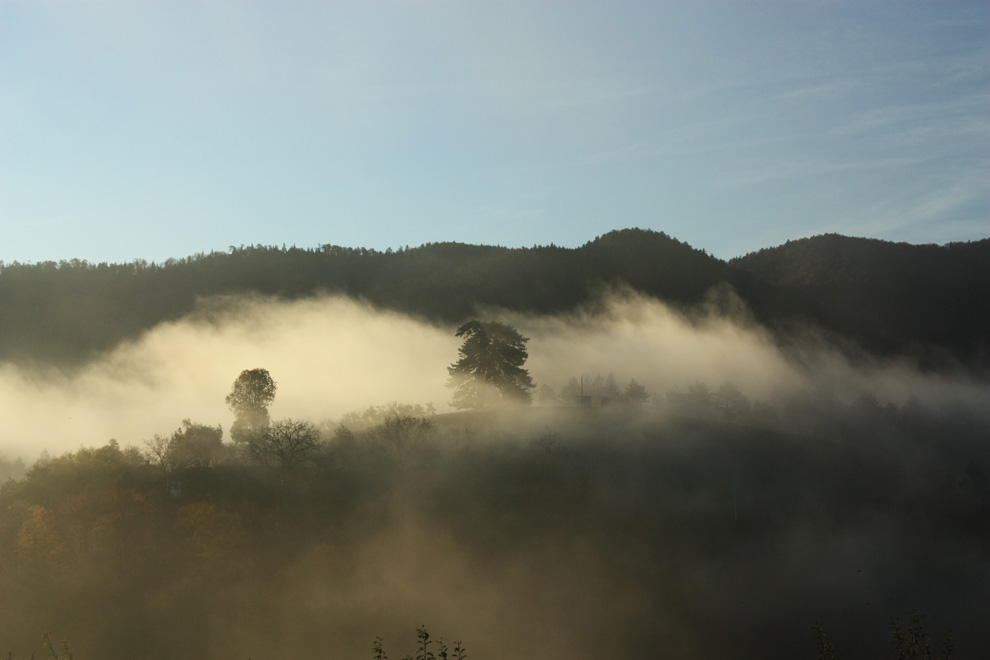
(925, 301)
(694, 523)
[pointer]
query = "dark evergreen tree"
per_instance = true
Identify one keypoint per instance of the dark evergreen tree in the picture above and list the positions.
(635, 393)
(490, 369)
(610, 389)
(730, 400)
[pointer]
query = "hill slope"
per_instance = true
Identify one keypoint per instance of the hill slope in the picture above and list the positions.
(890, 298)
(65, 312)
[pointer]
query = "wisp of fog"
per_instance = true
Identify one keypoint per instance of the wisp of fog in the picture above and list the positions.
(333, 355)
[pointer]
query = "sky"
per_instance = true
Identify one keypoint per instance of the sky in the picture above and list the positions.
(154, 129)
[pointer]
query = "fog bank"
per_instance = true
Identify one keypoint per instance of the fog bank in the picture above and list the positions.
(333, 355)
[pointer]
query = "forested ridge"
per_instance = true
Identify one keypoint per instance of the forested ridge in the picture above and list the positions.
(894, 297)
(65, 311)
(889, 298)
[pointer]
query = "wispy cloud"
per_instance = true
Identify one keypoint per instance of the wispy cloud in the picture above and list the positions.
(785, 170)
(907, 123)
(511, 213)
(815, 89)
(942, 211)
(618, 154)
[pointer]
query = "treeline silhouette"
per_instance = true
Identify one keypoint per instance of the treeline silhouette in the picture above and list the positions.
(926, 301)
(64, 312)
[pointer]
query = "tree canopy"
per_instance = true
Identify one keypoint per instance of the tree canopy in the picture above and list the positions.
(490, 368)
(249, 398)
(286, 443)
(192, 445)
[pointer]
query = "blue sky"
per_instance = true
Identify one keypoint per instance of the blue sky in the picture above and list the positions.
(154, 129)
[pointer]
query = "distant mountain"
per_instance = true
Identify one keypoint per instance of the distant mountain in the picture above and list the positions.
(889, 298)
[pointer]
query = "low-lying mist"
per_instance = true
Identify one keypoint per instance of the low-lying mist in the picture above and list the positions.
(328, 356)
(333, 355)
(763, 485)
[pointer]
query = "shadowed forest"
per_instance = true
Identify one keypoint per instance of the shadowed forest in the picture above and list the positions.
(926, 301)
(625, 450)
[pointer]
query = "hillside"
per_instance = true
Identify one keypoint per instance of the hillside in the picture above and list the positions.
(926, 301)
(64, 312)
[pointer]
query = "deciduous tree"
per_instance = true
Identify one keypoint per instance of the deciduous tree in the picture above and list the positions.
(285, 443)
(249, 398)
(192, 445)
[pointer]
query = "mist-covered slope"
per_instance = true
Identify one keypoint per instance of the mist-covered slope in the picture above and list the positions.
(64, 312)
(926, 301)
